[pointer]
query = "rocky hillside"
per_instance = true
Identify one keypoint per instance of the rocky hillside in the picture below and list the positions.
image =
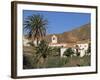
(81, 33)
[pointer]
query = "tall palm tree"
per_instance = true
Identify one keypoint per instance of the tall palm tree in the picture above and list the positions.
(36, 26)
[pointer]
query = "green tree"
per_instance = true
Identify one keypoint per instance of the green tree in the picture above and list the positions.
(68, 52)
(35, 26)
(42, 51)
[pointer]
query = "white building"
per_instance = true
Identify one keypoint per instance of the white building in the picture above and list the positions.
(77, 47)
(54, 42)
(62, 50)
(26, 41)
(82, 48)
(35, 42)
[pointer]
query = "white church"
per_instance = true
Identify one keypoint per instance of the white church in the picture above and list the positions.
(81, 47)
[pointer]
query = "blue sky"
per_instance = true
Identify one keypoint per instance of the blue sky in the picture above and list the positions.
(59, 22)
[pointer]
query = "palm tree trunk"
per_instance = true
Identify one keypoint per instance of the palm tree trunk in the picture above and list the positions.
(37, 42)
(45, 60)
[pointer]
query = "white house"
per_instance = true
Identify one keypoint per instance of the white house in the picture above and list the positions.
(82, 48)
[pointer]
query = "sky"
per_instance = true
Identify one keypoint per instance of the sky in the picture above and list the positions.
(59, 22)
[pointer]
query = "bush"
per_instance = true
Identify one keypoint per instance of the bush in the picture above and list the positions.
(27, 62)
(56, 61)
(68, 52)
(89, 48)
(62, 61)
(55, 51)
(78, 53)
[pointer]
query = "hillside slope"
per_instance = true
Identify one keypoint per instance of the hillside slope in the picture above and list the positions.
(81, 33)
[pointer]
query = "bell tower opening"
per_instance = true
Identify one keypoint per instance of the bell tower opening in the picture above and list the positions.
(54, 39)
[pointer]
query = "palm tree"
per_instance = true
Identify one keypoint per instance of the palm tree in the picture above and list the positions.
(36, 26)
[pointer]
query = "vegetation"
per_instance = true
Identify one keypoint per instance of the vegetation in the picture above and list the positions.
(27, 62)
(44, 56)
(36, 26)
(89, 48)
(57, 61)
(68, 52)
(55, 51)
(42, 51)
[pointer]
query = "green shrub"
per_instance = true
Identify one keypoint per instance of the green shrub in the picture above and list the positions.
(62, 62)
(27, 62)
(55, 51)
(68, 52)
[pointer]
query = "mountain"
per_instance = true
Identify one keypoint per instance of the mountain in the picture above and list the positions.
(82, 33)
